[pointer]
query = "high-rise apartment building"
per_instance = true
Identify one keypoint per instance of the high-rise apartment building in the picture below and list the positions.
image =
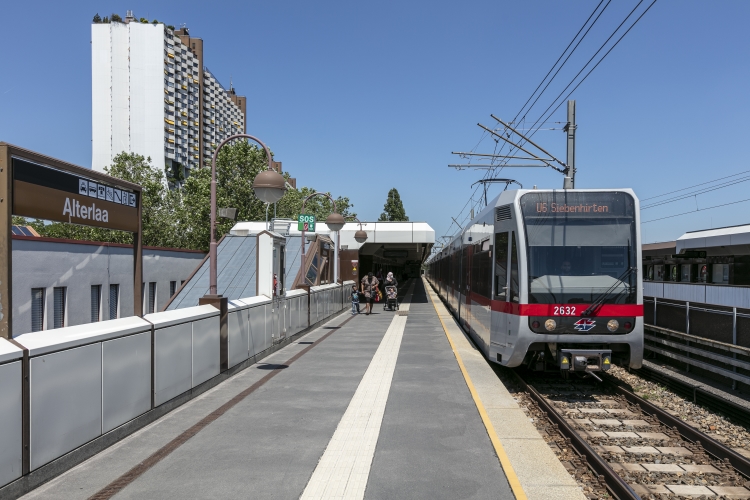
(152, 95)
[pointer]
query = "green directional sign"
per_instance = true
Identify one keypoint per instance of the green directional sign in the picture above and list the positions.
(306, 222)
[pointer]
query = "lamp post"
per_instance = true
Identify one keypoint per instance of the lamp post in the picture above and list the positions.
(335, 221)
(360, 236)
(269, 186)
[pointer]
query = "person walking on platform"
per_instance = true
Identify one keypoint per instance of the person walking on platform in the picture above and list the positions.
(370, 289)
(390, 280)
(355, 300)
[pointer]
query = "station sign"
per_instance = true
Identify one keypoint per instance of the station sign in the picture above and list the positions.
(305, 222)
(48, 193)
(38, 186)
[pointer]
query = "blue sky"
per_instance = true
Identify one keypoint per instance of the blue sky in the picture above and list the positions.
(358, 98)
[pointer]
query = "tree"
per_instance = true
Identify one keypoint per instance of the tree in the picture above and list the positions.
(97, 19)
(393, 210)
(143, 20)
(105, 20)
(116, 18)
(236, 167)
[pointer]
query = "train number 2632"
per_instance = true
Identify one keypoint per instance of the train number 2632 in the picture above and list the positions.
(564, 311)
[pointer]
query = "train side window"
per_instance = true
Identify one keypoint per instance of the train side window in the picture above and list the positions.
(514, 288)
(501, 265)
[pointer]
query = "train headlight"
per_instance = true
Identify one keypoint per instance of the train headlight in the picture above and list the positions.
(613, 325)
(550, 324)
(535, 324)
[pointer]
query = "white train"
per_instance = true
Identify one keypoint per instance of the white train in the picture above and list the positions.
(549, 278)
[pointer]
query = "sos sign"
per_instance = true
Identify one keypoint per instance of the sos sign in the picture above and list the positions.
(305, 222)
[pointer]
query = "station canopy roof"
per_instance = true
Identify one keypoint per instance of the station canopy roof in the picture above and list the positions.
(401, 241)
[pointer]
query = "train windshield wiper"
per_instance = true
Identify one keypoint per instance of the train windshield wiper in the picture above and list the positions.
(599, 301)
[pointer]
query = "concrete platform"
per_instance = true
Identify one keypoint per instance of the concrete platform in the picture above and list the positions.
(375, 407)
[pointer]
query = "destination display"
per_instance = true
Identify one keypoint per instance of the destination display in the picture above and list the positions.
(567, 203)
(50, 194)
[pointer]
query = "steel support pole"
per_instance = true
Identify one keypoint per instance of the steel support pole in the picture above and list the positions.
(336, 257)
(571, 131)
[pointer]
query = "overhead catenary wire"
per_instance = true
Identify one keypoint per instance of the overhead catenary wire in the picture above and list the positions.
(697, 210)
(695, 185)
(595, 66)
(684, 196)
(542, 119)
(549, 72)
(571, 52)
(484, 134)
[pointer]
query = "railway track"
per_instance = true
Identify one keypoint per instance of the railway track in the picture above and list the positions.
(619, 445)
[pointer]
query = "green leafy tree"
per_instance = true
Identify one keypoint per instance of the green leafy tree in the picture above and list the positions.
(116, 18)
(143, 20)
(105, 20)
(393, 210)
(236, 167)
(97, 19)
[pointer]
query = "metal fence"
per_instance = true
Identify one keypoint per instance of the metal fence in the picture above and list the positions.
(67, 387)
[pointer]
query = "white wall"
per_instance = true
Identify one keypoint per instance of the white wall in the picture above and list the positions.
(146, 91)
(127, 98)
(40, 263)
(89, 379)
(101, 94)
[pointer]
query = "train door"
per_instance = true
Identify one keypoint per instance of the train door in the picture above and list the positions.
(499, 321)
(464, 301)
(514, 293)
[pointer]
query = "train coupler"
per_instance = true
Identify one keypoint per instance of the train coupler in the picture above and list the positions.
(585, 360)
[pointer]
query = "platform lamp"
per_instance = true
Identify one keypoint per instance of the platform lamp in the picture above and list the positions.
(360, 236)
(269, 187)
(335, 222)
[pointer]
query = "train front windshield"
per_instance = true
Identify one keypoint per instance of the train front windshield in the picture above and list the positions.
(581, 247)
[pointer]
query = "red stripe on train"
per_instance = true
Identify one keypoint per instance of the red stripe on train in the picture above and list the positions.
(550, 309)
(569, 309)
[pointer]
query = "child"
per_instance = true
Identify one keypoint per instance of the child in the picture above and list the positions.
(355, 300)
(392, 293)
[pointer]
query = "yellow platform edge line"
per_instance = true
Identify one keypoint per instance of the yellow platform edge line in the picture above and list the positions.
(510, 473)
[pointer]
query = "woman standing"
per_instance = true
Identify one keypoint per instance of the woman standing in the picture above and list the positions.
(370, 289)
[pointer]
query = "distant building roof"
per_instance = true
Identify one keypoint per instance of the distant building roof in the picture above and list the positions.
(720, 237)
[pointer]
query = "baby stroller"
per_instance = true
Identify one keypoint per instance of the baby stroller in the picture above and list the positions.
(391, 298)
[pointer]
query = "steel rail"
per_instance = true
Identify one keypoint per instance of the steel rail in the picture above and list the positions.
(715, 448)
(615, 484)
(738, 414)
